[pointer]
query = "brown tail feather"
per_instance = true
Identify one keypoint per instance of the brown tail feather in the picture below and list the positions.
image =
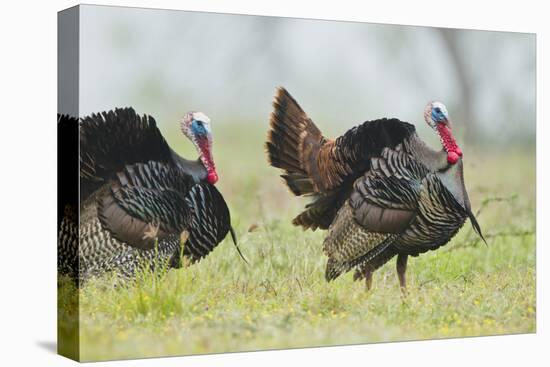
(291, 142)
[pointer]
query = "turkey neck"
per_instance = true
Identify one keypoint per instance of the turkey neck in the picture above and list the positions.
(435, 160)
(193, 168)
(205, 156)
(451, 175)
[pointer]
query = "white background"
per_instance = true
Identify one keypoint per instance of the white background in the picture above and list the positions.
(28, 182)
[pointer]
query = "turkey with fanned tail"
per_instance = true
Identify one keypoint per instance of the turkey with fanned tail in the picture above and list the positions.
(141, 202)
(378, 189)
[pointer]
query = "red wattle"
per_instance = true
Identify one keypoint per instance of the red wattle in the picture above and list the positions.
(452, 157)
(449, 143)
(205, 148)
(212, 177)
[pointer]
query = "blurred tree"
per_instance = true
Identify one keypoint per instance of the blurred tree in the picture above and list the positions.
(457, 58)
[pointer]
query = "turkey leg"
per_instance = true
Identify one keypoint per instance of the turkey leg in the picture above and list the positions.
(368, 279)
(401, 269)
(364, 272)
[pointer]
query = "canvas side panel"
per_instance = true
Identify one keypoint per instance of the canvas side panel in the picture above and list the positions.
(67, 182)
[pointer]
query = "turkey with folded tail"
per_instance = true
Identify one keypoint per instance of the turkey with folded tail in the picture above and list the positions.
(139, 200)
(378, 189)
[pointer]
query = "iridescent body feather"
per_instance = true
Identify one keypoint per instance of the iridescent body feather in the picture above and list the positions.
(141, 203)
(378, 189)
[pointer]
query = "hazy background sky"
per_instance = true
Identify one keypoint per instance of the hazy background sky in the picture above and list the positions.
(165, 63)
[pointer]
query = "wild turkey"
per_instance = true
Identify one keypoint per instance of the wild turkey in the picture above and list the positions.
(378, 189)
(140, 200)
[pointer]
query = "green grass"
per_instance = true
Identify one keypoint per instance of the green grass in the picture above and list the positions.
(282, 300)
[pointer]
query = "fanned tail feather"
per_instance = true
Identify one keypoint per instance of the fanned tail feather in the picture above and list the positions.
(290, 127)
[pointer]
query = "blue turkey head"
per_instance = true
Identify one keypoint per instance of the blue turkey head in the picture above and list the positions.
(196, 126)
(437, 117)
(436, 113)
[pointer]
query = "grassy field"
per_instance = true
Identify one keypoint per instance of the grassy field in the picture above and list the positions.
(282, 300)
